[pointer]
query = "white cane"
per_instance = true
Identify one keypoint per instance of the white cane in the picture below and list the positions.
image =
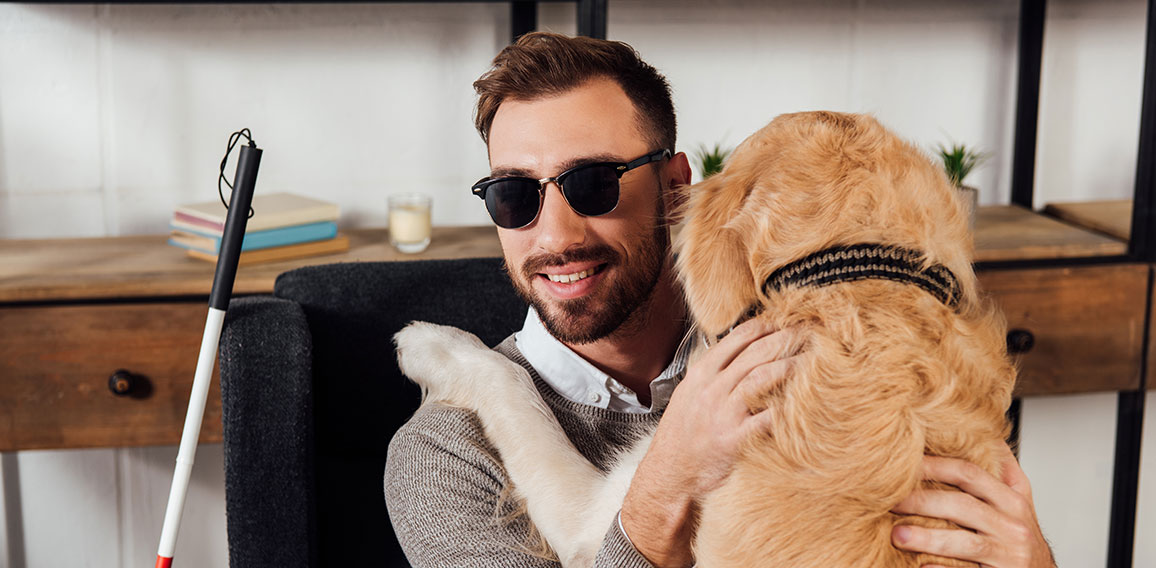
(227, 257)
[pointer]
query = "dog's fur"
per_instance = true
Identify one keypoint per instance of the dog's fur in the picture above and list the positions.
(887, 374)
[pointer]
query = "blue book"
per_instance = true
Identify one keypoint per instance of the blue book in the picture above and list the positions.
(209, 242)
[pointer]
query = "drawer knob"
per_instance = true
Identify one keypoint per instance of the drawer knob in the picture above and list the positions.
(1020, 341)
(122, 382)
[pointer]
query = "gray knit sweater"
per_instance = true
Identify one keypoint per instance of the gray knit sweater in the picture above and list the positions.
(446, 489)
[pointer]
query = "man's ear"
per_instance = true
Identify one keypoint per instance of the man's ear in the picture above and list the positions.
(675, 182)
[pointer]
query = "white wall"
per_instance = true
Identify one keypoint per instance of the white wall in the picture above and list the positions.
(1145, 553)
(1092, 76)
(1067, 449)
(104, 508)
(111, 116)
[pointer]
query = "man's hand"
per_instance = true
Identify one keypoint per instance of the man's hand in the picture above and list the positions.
(699, 437)
(999, 511)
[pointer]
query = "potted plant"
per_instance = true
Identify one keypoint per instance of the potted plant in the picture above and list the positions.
(958, 161)
(710, 160)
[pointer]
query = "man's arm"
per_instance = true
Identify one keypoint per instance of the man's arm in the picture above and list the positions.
(1000, 513)
(698, 438)
(444, 491)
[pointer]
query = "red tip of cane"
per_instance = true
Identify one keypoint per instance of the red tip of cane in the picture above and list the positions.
(163, 562)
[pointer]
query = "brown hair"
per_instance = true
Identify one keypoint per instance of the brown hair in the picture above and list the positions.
(541, 64)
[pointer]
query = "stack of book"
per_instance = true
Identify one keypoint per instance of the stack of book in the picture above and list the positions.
(283, 226)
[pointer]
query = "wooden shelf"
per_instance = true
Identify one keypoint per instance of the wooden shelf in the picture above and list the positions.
(1009, 233)
(62, 340)
(1112, 218)
(146, 267)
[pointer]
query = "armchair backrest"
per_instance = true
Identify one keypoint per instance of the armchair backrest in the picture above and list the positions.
(311, 396)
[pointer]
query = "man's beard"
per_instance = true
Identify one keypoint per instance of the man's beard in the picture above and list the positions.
(617, 306)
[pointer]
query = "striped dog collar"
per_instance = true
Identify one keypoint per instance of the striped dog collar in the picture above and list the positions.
(867, 261)
(859, 262)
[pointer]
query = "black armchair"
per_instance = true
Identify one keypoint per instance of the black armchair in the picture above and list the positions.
(311, 396)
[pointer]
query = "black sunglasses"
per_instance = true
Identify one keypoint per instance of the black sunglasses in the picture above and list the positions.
(590, 190)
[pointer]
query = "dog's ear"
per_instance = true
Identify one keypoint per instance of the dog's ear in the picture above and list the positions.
(713, 260)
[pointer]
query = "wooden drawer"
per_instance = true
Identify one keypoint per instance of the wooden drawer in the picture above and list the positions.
(1087, 324)
(55, 363)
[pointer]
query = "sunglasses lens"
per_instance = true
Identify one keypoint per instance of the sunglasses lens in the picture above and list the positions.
(512, 203)
(592, 191)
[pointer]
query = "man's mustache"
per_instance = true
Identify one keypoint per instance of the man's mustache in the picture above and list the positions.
(602, 254)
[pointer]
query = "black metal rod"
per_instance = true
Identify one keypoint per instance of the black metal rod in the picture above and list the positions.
(1142, 244)
(1031, 54)
(1129, 440)
(1125, 479)
(592, 18)
(523, 19)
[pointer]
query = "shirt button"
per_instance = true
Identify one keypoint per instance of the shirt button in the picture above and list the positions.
(595, 397)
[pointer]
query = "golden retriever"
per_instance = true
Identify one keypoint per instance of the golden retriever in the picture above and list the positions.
(828, 223)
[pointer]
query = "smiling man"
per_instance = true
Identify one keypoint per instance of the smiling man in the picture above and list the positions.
(581, 136)
(596, 283)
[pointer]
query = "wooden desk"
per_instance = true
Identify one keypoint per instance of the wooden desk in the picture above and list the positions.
(73, 311)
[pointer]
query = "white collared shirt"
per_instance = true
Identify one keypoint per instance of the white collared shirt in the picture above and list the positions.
(577, 380)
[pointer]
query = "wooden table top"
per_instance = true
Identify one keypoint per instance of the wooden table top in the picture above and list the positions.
(1009, 232)
(146, 267)
(1112, 218)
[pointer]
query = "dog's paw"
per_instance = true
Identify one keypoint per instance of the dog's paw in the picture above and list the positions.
(428, 340)
(451, 365)
(431, 355)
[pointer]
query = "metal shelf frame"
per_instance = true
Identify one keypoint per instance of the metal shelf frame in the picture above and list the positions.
(1141, 248)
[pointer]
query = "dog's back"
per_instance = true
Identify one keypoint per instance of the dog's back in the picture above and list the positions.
(889, 372)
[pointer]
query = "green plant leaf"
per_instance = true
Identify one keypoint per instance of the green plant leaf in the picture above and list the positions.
(710, 160)
(959, 160)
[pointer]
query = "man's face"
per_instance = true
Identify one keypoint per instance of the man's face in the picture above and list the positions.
(587, 277)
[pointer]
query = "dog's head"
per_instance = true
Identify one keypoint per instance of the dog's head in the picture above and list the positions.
(807, 182)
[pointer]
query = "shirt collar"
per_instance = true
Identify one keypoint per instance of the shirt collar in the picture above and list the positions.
(579, 381)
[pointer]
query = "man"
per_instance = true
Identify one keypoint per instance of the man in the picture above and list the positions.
(568, 121)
